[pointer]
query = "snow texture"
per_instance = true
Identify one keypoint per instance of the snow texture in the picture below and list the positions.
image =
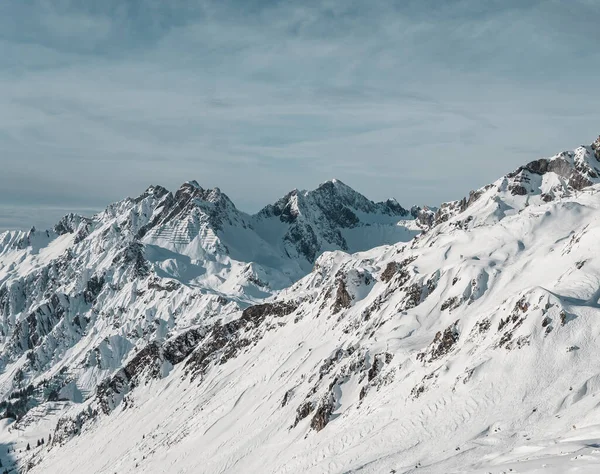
(326, 334)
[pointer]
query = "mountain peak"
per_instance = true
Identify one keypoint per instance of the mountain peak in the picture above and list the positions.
(172, 295)
(156, 189)
(337, 185)
(334, 216)
(569, 170)
(540, 181)
(191, 190)
(192, 183)
(335, 182)
(596, 148)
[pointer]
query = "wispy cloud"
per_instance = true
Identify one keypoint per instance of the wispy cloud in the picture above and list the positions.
(423, 100)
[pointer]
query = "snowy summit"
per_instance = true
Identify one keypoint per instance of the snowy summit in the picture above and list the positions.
(327, 333)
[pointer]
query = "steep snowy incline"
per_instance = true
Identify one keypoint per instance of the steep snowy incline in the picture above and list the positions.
(472, 348)
(77, 301)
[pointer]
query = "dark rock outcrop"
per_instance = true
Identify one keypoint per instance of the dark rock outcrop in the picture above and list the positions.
(343, 299)
(93, 288)
(178, 348)
(323, 413)
(133, 256)
(146, 365)
(389, 272)
(442, 344)
(315, 218)
(225, 341)
(302, 412)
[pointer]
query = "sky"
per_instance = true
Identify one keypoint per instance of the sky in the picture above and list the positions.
(420, 100)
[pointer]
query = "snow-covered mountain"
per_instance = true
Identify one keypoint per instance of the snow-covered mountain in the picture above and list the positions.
(541, 181)
(174, 333)
(334, 216)
(78, 300)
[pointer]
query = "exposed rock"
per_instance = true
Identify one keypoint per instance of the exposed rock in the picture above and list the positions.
(302, 412)
(224, 342)
(578, 181)
(29, 333)
(547, 197)
(518, 190)
(451, 303)
(400, 269)
(93, 288)
(379, 361)
(343, 299)
(146, 365)
(484, 325)
(442, 344)
(304, 238)
(133, 255)
(177, 349)
(258, 313)
(323, 413)
(413, 297)
(287, 397)
(546, 322)
(389, 272)
(74, 224)
(316, 217)
(71, 426)
(169, 286)
(566, 317)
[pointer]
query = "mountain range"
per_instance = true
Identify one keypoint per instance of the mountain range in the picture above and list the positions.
(173, 332)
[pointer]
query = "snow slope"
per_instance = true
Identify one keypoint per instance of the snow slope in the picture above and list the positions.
(472, 347)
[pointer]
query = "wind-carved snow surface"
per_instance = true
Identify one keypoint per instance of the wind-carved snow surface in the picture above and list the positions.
(144, 341)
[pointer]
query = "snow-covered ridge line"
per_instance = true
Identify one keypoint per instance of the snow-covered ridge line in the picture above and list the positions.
(541, 180)
(174, 330)
(77, 301)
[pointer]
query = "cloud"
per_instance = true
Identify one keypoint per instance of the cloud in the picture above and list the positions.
(421, 100)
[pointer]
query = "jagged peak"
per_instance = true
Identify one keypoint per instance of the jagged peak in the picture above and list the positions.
(562, 162)
(329, 197)
(154, 190)
(539, 181)
(193, 183)
(215, 195)
(337, 183)
(70, 223)
(579, 168)
(192, 190)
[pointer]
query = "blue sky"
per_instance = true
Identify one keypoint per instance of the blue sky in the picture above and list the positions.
(419, 100)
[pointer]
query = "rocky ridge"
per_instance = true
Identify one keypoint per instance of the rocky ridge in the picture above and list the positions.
(371, 362)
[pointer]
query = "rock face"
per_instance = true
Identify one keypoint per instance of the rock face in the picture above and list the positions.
(578, 172)
(343, 299)
(442, 344)
(175, 330)
(324, 219)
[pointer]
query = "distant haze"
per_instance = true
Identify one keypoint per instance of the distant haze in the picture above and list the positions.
(419, 100)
